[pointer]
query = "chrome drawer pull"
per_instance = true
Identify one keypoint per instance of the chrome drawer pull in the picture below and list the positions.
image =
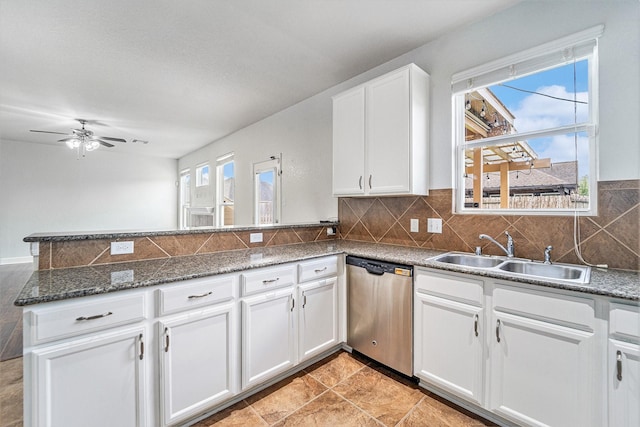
(141, 347)
(97, 316)
(166, 340)
(475, 324)
(266, 282)
(498, 330)
(200, 296)
(320, 270)
(619, 365)
(360, 182)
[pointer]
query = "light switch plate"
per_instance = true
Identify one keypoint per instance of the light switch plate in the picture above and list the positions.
(255, 237)
(415, 225)
(434, 225)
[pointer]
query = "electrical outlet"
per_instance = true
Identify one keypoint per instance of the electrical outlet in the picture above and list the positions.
(121, 248)
(415, 225)
(434, 225)
(255, 237)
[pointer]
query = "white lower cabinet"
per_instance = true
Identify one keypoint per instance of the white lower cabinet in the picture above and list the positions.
(623, 361)
(198, 361)
(541, 373)
(317, 317)
(449, 333)
(268, 335)
(534, 358)
(544, 358)
(96, 381)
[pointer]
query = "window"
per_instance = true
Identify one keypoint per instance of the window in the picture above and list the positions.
(525, 130)
(202, 175)
(267, 191)
(185, 198)
(225, 192)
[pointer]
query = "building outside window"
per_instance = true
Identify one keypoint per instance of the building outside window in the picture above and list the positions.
(525, 130)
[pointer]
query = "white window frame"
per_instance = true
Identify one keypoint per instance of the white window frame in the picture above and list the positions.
(221, 162)
(199, 175)
(183, 209)
(273, 164)
(562, 51)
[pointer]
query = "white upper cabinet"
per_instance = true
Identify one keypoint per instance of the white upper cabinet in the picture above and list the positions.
(380, 136)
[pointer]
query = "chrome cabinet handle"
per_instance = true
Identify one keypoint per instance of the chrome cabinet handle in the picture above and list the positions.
(293, 303)
(498, 330)
(200, 296)
(97, 316)
(266, 282)
(141, 347)
(370, 182)
(166, 340)
(475, 324)
(360, 182)
(304, 300)
(619, 365)
(320, 270)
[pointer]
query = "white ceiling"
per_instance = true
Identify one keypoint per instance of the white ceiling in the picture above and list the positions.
(182, 74)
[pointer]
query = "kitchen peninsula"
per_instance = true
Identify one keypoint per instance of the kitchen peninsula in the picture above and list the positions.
(258, 315)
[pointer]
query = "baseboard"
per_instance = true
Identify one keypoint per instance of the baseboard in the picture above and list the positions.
(16, 260)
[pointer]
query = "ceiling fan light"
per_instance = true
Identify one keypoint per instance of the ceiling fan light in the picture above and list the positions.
(92, 145)
(73, 143)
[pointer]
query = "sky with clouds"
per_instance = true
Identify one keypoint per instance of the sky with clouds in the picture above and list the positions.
(534, 111)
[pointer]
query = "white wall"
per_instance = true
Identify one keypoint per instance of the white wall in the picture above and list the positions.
(303, 131)
(44, 188)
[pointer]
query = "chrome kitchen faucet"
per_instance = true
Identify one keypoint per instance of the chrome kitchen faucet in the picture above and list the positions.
(509, 250)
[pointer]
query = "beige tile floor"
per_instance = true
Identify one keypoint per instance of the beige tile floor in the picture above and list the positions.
(344, 390)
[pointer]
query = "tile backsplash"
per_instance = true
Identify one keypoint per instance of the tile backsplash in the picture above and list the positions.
(612, 237)
(76, 253)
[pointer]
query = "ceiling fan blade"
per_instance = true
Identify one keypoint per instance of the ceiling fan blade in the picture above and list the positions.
(104, 143)
(109, 138)
(47, 131)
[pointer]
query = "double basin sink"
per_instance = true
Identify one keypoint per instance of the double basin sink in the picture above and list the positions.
(519, 267)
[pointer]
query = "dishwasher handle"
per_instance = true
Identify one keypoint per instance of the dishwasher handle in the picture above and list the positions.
(376, 270)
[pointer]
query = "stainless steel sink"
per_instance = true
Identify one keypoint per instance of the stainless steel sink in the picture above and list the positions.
(468, 260)
(574, 273)
(517, 267)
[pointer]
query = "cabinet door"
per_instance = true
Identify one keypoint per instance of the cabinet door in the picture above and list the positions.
(318, 317)
(198, 361)
(388, 130)
(541, 373)
(448, 345)
(268, 336)
(99, 381)
(624, 384)
(348, 143)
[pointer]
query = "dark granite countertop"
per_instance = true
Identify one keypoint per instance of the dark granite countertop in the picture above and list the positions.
(126, 234)
(60, 284)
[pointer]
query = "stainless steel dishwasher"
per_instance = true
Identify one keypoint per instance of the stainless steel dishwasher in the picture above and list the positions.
(379, 319)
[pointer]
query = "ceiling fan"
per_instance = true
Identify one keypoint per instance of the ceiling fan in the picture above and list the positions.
(83, 140)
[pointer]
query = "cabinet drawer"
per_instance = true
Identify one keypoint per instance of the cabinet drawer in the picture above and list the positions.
(317, 269)
(450, 286)
(195, 293)
(624, 320)
(546, 306)
(68, 319)
(268, 278)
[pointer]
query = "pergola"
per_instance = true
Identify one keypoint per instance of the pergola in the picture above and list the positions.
(486, 116)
